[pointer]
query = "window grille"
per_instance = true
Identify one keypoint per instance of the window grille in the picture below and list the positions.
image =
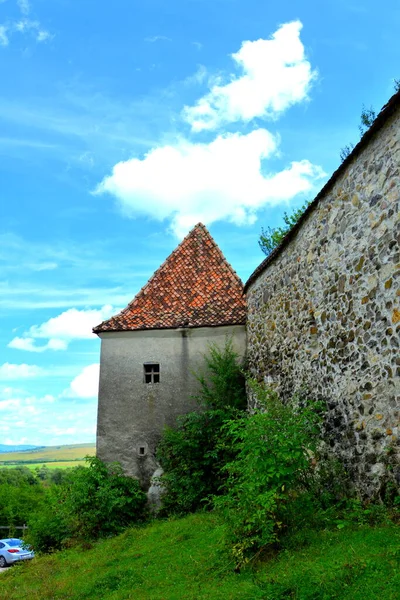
(151, 372)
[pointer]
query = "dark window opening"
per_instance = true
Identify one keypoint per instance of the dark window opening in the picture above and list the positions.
(151, 373)
(142, 450)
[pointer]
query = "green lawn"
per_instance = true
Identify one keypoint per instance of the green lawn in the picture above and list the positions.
(184, 559)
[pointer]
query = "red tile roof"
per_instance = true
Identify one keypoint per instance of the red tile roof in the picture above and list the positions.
(194, 287)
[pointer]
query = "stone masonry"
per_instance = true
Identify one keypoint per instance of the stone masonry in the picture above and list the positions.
(324, 309)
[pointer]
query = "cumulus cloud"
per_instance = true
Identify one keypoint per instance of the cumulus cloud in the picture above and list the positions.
(275, 74)
(59, 331)
(86, 384)
(10, 371)
(224, 179)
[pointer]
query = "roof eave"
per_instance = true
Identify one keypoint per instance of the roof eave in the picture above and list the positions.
(226, 324)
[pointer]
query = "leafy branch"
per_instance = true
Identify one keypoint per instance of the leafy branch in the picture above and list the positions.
(270, 238)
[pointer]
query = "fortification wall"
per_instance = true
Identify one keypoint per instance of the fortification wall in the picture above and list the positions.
(324, 314)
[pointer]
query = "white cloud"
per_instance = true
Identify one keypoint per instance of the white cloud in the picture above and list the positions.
(42, 419)
(43, 35)
(28, 344)
(224, 179)
(86, 384)
(10, 371)
(157, 38)
(44, 266)
(3, 36)
(275, 75)
(59, 331)
(24, 25)
(15, 441)
(24, 6)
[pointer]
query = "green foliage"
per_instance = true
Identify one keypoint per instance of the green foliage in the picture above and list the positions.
(396, 85)
(90, 503)
(368, 116)
(346, 151)
(275, 445)
(20, 494)
(193, 454)
(18, 476)
(222, 386)
(270, 238)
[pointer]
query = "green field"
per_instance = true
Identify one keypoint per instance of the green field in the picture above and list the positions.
(53, 456)
(184, 559)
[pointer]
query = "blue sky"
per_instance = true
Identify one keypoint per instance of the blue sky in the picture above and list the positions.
(123, 124)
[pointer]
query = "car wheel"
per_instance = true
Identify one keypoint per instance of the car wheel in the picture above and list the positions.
(3, 562)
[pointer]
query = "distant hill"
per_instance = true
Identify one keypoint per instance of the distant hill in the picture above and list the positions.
(17, 448)
(68, 455)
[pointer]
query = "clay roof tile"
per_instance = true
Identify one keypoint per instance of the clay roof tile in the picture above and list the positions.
(195, 285)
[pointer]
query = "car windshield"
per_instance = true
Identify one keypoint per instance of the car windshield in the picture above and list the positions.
(14, 543)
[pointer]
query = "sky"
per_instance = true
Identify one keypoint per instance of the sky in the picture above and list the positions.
(124, 124)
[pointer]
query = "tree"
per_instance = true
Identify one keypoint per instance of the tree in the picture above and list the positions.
(194, 453)
(368, 116)
(346, 151)
(270, 238)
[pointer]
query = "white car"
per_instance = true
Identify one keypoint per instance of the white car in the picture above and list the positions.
(13, 550)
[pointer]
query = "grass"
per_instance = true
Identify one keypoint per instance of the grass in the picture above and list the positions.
(184, 559)
(64, 464)
(49, 454)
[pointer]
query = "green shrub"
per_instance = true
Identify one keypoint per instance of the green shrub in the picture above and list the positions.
(90, 503)
(275, 448)
(20, 495)
(222, 385)
(193, 454)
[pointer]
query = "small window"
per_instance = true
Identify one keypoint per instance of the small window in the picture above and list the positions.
(142, 450)
(151, 372)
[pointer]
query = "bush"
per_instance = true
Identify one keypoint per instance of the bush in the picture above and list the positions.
(20, 495)
(90, 503)
(275, 448)
(193, 454)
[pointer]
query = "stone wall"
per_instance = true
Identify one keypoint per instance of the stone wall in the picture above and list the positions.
(324, 313)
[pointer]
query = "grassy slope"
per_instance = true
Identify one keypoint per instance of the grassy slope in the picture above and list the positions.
(50, 453)
(182, 559)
